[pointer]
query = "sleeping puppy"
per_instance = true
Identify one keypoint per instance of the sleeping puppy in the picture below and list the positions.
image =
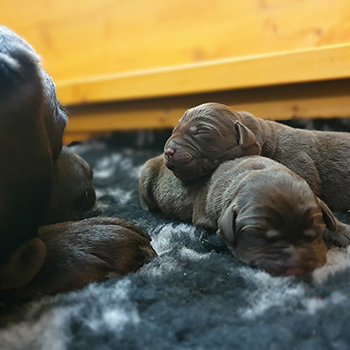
(266, 214)
(269, 217)
(40, 184)
(161, 191)
(211, 133)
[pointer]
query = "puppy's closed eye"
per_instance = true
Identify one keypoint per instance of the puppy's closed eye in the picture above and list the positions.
(272, 234)
(198, 131)
(311, 234)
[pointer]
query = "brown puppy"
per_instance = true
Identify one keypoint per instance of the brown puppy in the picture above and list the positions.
(81, 252)
(265, 213)
(161, 191)
(210, 134)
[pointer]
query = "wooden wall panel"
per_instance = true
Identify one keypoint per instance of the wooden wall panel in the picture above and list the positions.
(141, 63)
(89, 38)
(322, 99)
(324, 63)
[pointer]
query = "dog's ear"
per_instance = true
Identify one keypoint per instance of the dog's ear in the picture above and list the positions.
(227, 225)
(247, 144)
(328, 216)
(245, 136)
(23, 264)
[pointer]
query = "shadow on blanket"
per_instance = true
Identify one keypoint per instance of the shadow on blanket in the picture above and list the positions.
(194, 295)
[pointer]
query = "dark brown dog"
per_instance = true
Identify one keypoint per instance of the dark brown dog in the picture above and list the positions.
(40, 184)
(72, 189)
(81, 252)
(266, 214)
(211, 133)
(31, 128)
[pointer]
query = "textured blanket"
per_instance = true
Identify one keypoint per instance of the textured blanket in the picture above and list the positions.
(194, 295)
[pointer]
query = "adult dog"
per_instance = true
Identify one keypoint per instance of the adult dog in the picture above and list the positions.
(266, 214)
(211, 133)
(41, 184)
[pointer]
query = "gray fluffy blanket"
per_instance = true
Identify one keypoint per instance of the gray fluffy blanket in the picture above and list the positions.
(194, 295)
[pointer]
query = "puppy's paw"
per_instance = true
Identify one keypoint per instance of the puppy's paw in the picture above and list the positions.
(91, 250)
(340, 237)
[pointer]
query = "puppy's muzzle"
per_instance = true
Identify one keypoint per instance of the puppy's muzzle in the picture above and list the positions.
(294, 264)
(177, 154)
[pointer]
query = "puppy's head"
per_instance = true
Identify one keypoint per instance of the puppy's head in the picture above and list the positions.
(206, 136)
(277, 227)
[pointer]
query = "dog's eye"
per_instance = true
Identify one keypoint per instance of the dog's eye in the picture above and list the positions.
(272, 234)
(310, 235)
(64, 109)
(200, 132)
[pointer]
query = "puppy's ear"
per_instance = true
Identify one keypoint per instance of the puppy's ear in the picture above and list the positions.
(245, 136)
(23, 264)
(227, 225)
(328, 216)
(336, 233)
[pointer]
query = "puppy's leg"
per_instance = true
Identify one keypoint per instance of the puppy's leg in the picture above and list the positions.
(82, 252)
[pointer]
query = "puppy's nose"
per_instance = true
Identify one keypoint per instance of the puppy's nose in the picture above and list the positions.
(169, 152)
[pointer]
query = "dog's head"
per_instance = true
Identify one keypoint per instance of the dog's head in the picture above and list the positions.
(277, 226)
(22, 66)
(72, 192)
(31, 123)
(206, 136)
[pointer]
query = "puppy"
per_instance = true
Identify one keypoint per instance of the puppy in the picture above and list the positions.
(40, 184)
(161, 191)
(266, 214)
(211, 133)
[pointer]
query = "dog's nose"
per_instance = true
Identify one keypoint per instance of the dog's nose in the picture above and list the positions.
(169, 152)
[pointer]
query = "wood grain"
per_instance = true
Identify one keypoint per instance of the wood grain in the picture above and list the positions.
(323, 99)
(123, 65)
(88, 38)
(315, 64)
